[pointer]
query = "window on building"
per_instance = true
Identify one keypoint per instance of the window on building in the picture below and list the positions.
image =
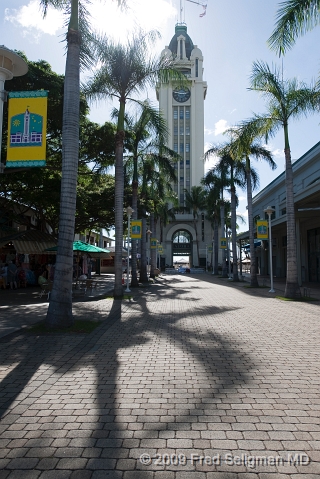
(175, 113)
(187, 147)
(181, 113)
(197, 67)
(187, 114)
(181, 147)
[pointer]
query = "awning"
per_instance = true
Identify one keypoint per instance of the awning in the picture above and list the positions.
(82, 247)
(29, 242)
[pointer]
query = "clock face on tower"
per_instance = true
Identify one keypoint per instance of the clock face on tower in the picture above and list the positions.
(181, 95)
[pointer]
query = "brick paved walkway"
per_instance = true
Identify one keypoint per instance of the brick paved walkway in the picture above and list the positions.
(194, 378)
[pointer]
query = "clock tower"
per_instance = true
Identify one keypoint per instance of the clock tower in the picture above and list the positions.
(183, 109)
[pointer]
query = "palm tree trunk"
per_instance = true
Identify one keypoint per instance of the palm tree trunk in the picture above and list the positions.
(223, 235)
(216, 246)
(235, 276)
(292, 289)
(134, 277)
(60, 305)
(119, 191)
(197, 240)
(253, 264)
(143, 260)
(153, 252)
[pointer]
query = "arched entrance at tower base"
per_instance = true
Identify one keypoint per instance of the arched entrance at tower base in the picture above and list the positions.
(177, 249)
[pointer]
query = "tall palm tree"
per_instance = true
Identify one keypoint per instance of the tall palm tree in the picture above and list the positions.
(195, 200)
(232, 172)
(126, 70)
(60, 305)
(157, 174)
(294, 18)
(246, 147)
(285, 101)
(144, 132)
(212, 182)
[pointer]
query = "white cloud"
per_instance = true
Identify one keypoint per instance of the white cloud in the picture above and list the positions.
(30, 18)
(278, 153)
(106, 18)
(220, 127)
(208, 131)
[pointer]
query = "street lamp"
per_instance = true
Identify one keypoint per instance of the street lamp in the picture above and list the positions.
(269, 210)
(11, 65)
(206, 258)
(149, 233)
(129, 212)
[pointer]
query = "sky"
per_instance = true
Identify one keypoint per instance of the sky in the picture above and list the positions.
(232, 35)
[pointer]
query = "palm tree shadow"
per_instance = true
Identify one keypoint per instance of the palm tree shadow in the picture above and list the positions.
(126, 382)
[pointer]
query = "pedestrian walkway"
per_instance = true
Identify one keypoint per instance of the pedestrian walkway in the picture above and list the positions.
(191, 378)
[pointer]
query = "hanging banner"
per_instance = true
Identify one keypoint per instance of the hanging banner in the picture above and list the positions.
(209, 249)
(160, 249)
(136, 227)
(262, 229)
(223, 243)
(27, 129)
(153, 243)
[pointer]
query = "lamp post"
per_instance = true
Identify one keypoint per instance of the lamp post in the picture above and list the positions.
(206, 258)
(11, 65)
(149, 233)
(129, 212)
(269, 210)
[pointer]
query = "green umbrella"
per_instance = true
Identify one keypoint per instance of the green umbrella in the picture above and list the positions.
(85, 248)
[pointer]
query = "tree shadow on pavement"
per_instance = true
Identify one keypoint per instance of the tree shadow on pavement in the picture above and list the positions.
(152, 373)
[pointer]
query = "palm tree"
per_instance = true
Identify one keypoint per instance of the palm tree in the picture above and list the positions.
(232, 172)
(78, 53)
(126, 70)
(285, 100)
(157, 174)
(294, 18)
(245, 147)
(195, 200)
(150, 127)
(212, 182)
(60, 305)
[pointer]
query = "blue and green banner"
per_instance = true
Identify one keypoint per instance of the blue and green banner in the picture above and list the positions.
(27, 129)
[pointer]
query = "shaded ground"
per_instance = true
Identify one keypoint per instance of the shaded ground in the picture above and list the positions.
(188, 368)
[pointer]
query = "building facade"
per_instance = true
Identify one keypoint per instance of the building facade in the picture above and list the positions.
(183, 109)
(306, 179)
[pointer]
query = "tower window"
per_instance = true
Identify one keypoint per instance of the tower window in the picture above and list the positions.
(187, 114)
(181, 114)
(181, 147)
(175, 113)
(187, 147)
(197, 67)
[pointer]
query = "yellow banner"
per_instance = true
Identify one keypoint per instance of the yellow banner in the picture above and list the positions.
(136, 226)
(223, 243)
(153, 243)
(27, 129)
(160, 249)
(262, 229)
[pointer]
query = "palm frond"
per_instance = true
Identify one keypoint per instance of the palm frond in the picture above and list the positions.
(294, 18)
